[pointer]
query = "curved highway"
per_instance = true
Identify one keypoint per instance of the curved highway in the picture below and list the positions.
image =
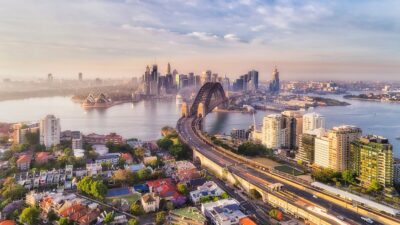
(188, 134)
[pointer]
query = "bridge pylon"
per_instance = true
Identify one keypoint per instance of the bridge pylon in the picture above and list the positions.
(185, 110)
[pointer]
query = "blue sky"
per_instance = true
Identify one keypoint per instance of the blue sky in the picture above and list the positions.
(339, 39)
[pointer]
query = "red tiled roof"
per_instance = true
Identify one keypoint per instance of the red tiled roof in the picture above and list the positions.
(164, 187)
(128, 157)
(246, 221)
(24, 159)
(7, 222)
(42, 156)
(70, 210)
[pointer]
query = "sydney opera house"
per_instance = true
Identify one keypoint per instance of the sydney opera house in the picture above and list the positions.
(99, 101)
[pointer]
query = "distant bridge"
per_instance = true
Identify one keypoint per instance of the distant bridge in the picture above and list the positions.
(210, 96)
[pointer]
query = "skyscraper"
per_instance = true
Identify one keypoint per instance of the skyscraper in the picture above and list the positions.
(50, 77)
(80, 76)
(50, 130)
(306, 149)
(312, 121)
(205, 77)
(340, 139)
(169, 68)
(293, 122)
(273, 132)
(274, 86)
(372, 160)
(253, 77)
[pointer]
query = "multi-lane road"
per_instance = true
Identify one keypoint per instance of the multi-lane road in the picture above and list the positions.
(257, 177)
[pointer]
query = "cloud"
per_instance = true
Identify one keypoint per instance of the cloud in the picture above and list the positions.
(137, 29)
(203, 36)
(231, 37)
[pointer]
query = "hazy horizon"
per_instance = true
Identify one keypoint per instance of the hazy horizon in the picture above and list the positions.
(320, 40)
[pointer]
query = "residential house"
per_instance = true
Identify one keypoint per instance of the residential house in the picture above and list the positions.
(223, 212)
(24, 162)
(43, 157)
(166, 190)
(150, 202)
(208, 189)
(127, 157)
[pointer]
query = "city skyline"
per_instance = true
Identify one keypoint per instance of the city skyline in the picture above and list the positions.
(307, 39)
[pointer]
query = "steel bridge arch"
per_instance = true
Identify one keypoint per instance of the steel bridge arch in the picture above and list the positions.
(205, 100)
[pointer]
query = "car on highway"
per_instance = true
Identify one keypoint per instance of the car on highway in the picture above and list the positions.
(340, 217)
(314, 196)
(368, 220)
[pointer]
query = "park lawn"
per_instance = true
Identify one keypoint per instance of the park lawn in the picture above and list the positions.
(130, 198)
(289, 170)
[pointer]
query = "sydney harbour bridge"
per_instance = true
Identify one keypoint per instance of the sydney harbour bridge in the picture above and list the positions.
(292, 195)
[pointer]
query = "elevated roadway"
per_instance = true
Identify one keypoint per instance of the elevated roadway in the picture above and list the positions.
(294, 190)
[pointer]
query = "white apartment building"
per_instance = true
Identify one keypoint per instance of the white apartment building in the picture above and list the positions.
(321, 153)
(312, 121)
(273, 133)
(50, 130)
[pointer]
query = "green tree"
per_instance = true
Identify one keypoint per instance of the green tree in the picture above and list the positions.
(139, 152)
(98, 189)
(68, 152)
(252, 149)
(224, 195)
(109, 218)
(95, 188)
(160, 218)
(169, 205)
(124, 176)
(52, 216)
(64, 221)
(348, 177)
(12, 190)
(374, 186)
(144, 174)
(137, 209)
(30, 216)
(182, 188)
(133, 222)
(178, 151)
(164, 143)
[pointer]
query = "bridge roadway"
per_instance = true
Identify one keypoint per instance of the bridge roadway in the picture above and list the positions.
(254, 176)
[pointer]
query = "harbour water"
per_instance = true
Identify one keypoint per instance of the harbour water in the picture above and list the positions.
(144, 119)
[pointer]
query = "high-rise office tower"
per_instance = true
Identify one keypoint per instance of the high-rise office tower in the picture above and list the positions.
(191, 79)
(205, 77)
(372, 160)
(80, 76)
(340, 139)
(226, 84)
(50, 130)
(253, 75)
(293, 122)
(50, 77)
(168, 68)
(312, 121)
(273, 132)
(274, 86)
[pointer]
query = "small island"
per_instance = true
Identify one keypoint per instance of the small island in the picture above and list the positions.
(389, 97)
